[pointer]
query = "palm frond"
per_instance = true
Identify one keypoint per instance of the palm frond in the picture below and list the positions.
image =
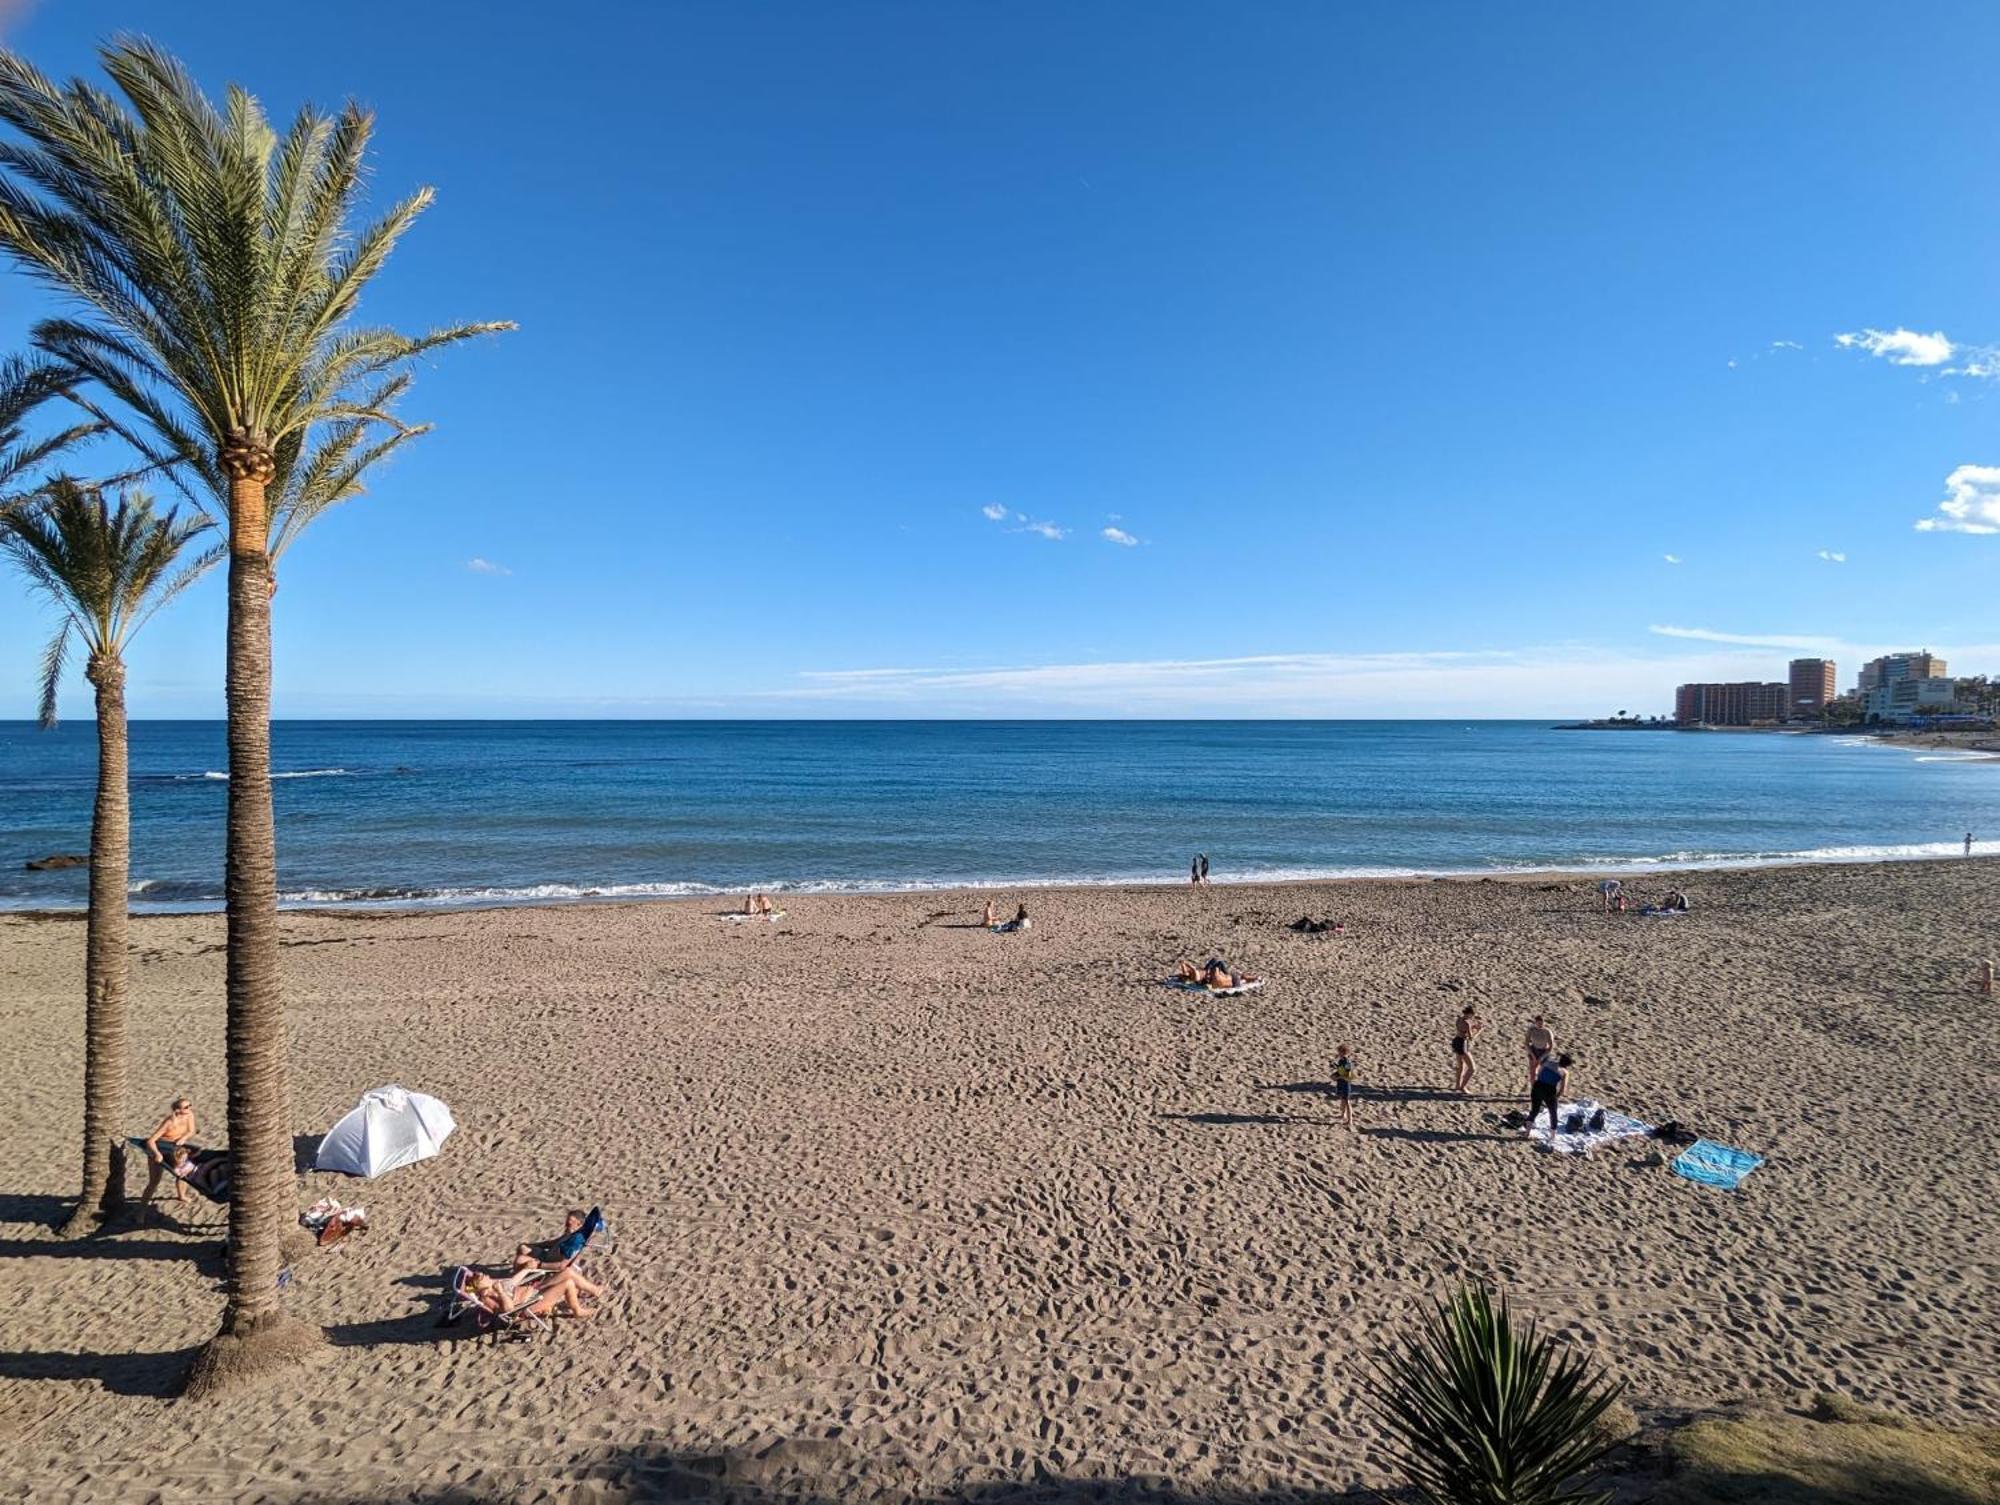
(51, 675)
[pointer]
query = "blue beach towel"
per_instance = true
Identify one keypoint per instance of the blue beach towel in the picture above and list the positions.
(1713, 1164)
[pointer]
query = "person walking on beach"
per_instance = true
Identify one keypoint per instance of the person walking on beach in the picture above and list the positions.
(1201, 861)
(1968, 843)
(1194, 870)
(1467, 1030)
(1343, 1084)
(1551, 1080)
(1539, 1042)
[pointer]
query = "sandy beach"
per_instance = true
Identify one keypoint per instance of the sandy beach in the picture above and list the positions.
(907, 1209)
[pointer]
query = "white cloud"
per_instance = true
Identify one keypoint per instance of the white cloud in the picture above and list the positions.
(994, 512)
(1118, 536)
(1786, 345)
(1045, 530)
(1783, 641)
(486, 567)
(1971, 503)
(1833, 556)
(1671, 558)
(1899, 346)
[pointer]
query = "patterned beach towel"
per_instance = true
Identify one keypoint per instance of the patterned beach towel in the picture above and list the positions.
(1195, 987)
(1712, 1164)
(744, 919)
(1616, 1126)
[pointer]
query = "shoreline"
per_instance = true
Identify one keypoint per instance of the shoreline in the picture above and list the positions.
(976, 891)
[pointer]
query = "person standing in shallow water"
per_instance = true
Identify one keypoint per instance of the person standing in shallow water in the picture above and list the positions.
(1469, 1026)
(1201, 861)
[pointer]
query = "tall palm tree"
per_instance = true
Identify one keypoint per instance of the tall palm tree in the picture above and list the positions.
(107, 568)
(214, 270)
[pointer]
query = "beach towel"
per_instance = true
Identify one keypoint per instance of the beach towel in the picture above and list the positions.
(1195, 987)
(1710, 1164)
(738, 919)
(1616, 1126)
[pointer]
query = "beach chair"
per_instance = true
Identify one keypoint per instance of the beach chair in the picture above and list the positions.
(594, 1235)
(521, 1323)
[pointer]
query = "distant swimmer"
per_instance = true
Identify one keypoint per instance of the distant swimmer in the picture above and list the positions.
(1467, 1030)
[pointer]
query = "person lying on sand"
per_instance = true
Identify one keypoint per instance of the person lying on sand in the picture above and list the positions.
(175, 1130)
(1213, 973)
(758, 904)
(1019, 922)
(560, 1291)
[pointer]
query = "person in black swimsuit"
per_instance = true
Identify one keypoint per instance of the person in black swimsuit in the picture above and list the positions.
(1469, 1026)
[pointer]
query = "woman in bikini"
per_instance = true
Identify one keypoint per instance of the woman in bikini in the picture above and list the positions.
(561, 1291)
(1539, 1043)
(1213, 973)
(1469, 1026)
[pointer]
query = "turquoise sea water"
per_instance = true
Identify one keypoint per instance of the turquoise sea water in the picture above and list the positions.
(492, 812)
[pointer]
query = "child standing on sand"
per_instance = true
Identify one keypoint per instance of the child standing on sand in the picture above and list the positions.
(1343, 1084)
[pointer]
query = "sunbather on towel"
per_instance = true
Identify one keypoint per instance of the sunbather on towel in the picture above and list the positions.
(1213, 973)
(758, 904)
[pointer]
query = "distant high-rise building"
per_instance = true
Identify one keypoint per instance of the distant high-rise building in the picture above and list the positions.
(1743, 704)
(1891, 667)
(1811, 685)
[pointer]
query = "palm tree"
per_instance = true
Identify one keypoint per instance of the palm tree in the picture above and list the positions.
(215, 271)
(107, 568)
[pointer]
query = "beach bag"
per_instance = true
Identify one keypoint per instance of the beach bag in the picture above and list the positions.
(1597, 1121)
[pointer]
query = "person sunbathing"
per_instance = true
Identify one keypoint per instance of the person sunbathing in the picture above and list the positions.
(758, 904)
(557, 1292)
(1019, 922)
(989, 916)
(1213, 973)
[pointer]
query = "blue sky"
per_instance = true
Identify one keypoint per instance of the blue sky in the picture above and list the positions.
(1427, 360)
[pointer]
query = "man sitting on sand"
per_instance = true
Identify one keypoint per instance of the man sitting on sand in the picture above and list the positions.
(1213, 973)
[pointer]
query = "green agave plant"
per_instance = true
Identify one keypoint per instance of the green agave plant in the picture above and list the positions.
(1483, 1412)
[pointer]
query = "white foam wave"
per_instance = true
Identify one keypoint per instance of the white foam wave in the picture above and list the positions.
(302, 773)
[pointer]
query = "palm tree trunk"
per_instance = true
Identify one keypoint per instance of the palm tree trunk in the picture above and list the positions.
(256, 1332)
(107, 962)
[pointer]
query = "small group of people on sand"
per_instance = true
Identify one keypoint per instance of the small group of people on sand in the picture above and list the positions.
(543, 1281)
(1548, 1069)
(1611, 899)
(990, 918)
(759, 906)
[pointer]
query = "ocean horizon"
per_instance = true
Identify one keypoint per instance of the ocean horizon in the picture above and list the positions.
(469, 813)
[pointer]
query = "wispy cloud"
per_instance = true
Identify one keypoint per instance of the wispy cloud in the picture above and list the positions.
(1671, 558)
(1786, 345)
(1971, 503)
(1833, 556)
(480, 566)
(1118, 536)
(1899, 346)
(1778, 640)
(994, 512)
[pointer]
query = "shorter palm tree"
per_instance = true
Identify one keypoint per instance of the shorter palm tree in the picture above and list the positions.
(26, 385)
(107, 567)
(1484, 1412)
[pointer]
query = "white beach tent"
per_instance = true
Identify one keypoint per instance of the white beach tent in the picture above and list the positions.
(390, 1126)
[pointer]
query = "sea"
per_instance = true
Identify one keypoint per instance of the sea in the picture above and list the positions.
(496, 812)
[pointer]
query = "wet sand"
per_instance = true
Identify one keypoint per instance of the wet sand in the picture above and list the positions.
(908, 1209)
